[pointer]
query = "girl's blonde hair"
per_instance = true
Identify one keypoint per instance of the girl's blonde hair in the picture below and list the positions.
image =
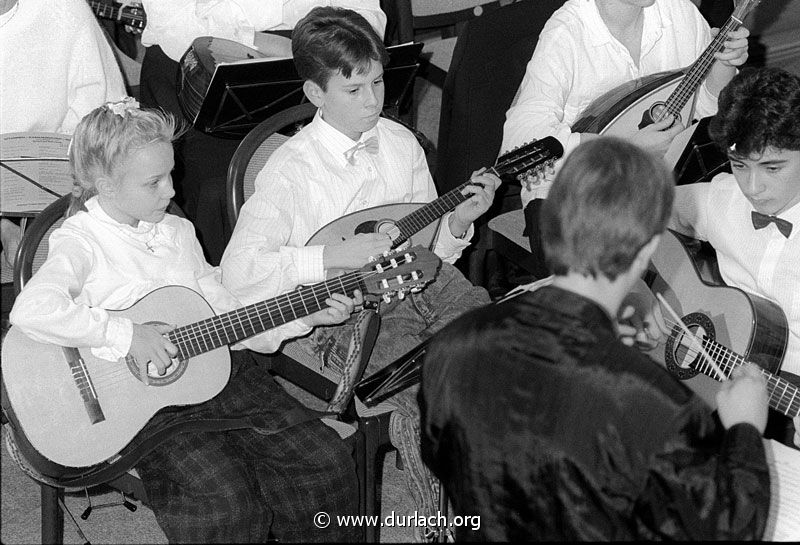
(105, 137)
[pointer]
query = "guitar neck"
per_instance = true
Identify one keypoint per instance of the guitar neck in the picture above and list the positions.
(529, 159)
(783, 395)
(420, 218)
(129, 15)
(699, 69)
(231, 327)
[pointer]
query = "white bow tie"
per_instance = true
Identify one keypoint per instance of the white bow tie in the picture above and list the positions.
(370, 145)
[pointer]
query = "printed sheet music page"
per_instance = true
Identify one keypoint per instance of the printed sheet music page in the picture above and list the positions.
(783, 523)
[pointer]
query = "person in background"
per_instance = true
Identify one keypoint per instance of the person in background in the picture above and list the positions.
(203, 159)
(539, 419)
(589, 47)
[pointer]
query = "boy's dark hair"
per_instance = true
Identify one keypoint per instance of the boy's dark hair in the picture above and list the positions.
(329, 40)
(758, 109)
(608, 200)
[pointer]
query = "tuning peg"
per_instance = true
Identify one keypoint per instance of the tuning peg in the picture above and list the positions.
(401, 294)
(387, 298)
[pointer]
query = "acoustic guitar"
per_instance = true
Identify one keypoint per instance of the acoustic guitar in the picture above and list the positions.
(641, 102)
(79, 410)
(417, 223)
(733, 326)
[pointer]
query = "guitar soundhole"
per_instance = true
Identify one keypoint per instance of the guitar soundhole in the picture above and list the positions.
(172, 373)
(681, 352)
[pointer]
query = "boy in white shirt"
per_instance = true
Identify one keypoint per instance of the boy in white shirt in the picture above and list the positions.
(752, 216)
(346, 160)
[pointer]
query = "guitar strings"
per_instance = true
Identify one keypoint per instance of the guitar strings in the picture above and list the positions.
(193, 334)
(786, 400)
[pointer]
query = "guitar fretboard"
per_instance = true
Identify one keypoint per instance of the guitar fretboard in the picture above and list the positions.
(130, 15)
(530, 159)
(783, 395)
(681, 95)
(237, 325)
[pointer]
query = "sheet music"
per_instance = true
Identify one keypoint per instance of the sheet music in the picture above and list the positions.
(28, 159)
(783, 523)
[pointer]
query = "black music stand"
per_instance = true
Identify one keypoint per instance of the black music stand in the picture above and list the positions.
(243, 94)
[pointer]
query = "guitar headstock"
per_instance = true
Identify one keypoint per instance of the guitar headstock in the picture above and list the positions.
(530, 160)
(398, 272)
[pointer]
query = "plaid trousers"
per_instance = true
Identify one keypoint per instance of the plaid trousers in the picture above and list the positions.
(249, 485)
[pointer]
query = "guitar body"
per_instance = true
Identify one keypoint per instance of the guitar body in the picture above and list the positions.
(751, 326)
(53, 415)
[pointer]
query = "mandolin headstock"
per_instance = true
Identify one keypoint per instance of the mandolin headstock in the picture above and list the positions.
(742, 7)
(530, 161)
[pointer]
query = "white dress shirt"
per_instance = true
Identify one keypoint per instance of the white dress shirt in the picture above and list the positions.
(306, 184)
(96, 264)
(760, 261)
(577, 59)
(174, 24)
(55, 66)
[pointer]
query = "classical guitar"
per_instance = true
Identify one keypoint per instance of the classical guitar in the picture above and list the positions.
(733, 326)
(80, 410)
(132, 16)
(403, 220)
(638, 103)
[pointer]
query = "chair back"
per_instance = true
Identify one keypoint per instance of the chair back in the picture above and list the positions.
(35, 242)
(254, 151)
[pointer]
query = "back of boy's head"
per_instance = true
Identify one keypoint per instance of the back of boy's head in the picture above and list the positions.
(758, 109)
(330, 40)
(106, 136)
(608, 200)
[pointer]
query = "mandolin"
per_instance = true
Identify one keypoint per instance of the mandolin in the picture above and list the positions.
(402, 221)
(641, 102)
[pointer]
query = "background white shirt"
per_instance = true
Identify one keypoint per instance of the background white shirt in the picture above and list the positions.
(55, 66)
(174, 24)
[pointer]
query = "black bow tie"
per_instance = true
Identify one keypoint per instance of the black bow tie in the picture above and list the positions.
(762, 220)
